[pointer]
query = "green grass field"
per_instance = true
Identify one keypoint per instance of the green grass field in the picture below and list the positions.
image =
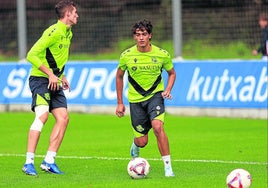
(95, 152)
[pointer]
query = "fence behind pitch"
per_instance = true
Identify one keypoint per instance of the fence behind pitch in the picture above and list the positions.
(104, 23)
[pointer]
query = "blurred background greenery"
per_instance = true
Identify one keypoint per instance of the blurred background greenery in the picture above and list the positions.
(211, 29)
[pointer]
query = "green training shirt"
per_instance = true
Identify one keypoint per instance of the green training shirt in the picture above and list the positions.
(52, 50)
(144, 71)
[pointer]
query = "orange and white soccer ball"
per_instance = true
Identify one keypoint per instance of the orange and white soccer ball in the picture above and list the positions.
(138, 168)
(239, 178)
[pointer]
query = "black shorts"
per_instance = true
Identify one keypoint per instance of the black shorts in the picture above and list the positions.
(41, 95)
(143, 113)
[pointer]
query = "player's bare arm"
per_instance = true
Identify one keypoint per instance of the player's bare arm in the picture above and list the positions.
(120, 109)
(171, 79)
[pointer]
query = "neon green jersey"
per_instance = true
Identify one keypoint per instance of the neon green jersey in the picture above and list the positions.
(144, 71)
(52, 50)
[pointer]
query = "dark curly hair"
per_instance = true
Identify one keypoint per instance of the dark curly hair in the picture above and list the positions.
(142, 25)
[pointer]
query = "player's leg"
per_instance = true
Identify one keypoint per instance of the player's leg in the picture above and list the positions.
(40, 103)
(62, 119)
(162, 140)
(138, 142)
(163, 146)
(41, 115)
(141, 125)
(156, 111)
(56, 137)
(59, 111)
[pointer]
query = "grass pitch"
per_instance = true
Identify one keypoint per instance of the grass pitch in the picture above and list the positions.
(95, 152)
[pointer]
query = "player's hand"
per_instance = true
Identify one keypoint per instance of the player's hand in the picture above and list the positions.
(53, 82)
(166, 95)
(65, 84)
(120, 110)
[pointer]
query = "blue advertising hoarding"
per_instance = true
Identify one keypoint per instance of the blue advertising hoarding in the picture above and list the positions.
(219, 84)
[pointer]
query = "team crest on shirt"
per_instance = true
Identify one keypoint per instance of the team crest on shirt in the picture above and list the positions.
(139, 128)
(135, 60)
(154, 59)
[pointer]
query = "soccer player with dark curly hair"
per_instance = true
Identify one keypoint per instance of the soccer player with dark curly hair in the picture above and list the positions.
(144, 63)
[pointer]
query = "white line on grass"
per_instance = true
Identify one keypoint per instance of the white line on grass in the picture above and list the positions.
(150, 159)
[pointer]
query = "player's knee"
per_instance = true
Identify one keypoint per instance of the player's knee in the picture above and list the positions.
(63, 119)
(66, 119)
(141, 142)
(61, 116)
(37, 125)
(142, 145)
(41, 116)
(158, 128)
